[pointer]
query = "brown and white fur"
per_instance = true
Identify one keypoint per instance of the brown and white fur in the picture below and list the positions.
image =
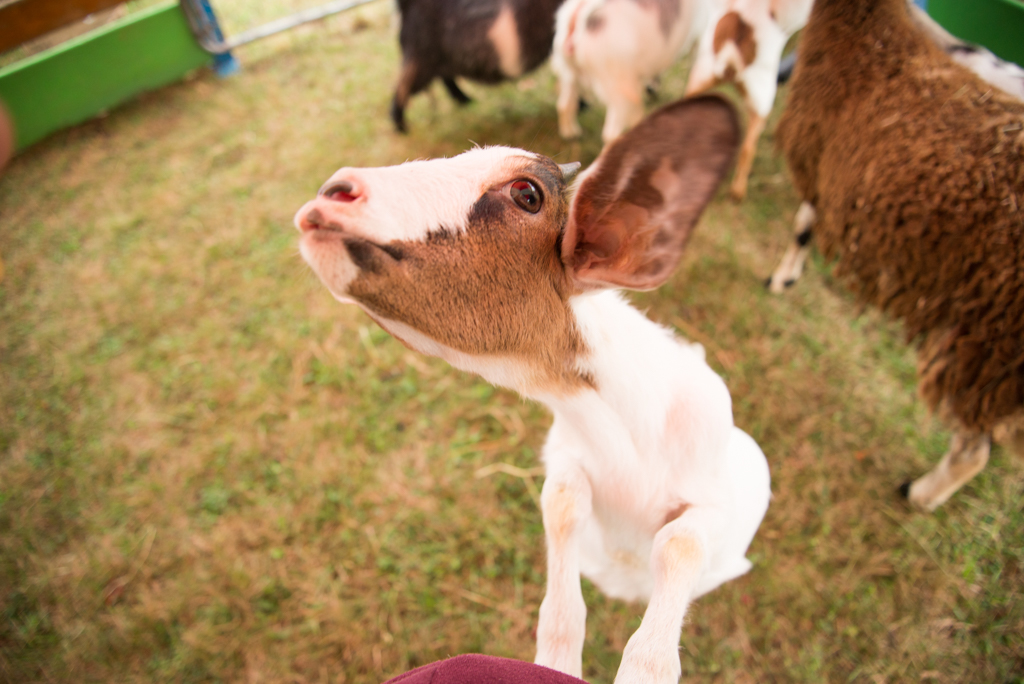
(650, 490)
(742, 44)
(613, 49)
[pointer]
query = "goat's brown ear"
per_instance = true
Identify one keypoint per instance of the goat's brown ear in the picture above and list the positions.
(636, 206)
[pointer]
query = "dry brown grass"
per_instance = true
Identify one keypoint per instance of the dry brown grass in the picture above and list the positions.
(211, 471)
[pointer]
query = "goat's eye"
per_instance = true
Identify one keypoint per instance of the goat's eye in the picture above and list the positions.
(526, 195)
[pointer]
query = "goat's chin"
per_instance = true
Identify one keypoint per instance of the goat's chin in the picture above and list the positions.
(330, 261)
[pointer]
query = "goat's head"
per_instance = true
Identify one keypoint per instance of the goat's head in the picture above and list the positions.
(477, 256)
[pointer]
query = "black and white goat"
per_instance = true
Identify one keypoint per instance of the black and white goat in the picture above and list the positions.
(483, 40)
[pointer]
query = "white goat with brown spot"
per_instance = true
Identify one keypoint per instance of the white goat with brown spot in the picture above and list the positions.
(482, 260)
(742, 44)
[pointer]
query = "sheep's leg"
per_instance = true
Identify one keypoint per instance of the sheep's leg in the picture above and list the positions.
(792, 265)
(565, 505)
(755, 126)
(411, 80)
(455, 91)
(678, 560)
(967, 456)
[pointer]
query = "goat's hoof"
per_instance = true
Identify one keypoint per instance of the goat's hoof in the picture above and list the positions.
(904, 489)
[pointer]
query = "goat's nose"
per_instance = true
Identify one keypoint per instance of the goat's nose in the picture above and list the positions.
(339, 191)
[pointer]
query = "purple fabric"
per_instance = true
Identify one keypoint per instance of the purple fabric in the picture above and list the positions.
(473, 668)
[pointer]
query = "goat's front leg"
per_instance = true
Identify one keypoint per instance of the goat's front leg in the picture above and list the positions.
(792, 265)
(565, 505)
(755, 126)
(678, 559)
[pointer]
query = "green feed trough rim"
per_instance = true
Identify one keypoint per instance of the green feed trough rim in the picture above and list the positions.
(87, 75)
(996, 24)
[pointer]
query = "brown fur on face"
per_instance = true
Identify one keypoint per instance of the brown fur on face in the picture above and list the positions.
(498, 289)
(916, 168)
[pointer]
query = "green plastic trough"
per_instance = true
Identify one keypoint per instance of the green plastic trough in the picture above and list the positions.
(85, 76)
(996, 24)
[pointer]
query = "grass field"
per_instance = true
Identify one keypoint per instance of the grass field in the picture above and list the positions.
(212, 471)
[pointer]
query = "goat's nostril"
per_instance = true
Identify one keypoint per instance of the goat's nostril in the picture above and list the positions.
(339, 191)
(313, 220)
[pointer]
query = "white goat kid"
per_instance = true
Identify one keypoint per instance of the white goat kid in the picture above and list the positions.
(613, 49)
(481, 260)
(742, 44)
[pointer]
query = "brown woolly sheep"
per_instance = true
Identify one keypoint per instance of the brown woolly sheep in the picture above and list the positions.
(912, 173)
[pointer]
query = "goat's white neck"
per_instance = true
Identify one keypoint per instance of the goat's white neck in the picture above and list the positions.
(640, 371)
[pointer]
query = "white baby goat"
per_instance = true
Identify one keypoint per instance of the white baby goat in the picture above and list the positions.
(613, 49)
(481, 260)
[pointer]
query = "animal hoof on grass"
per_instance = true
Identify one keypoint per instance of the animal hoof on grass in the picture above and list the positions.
(398, 117)
(904, 489)
(772, 285)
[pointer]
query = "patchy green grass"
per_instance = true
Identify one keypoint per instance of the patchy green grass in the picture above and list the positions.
(211, 471)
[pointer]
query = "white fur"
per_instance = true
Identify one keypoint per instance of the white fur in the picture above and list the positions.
(637, 467)
(613, 450)
(616, 62)
(656, 433)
